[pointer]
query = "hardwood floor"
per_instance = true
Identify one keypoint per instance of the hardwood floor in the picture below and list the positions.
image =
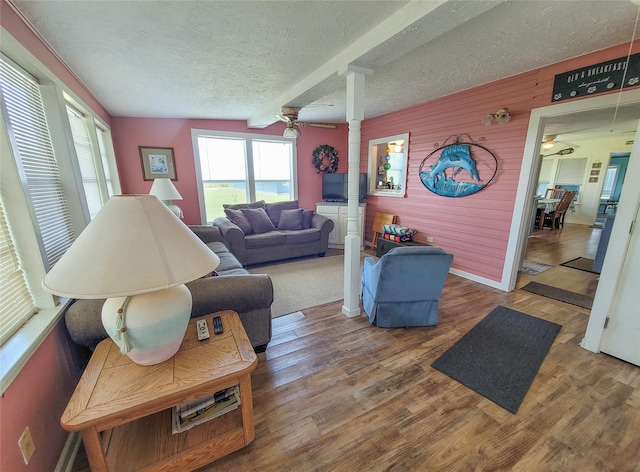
(334, 393)
(556, 247)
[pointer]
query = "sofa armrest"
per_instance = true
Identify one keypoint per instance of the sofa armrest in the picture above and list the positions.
(325, 225)
(239, 293)
(208, 234)
(233, 238)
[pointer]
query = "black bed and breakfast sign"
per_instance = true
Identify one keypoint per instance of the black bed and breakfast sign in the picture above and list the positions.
(603, 77)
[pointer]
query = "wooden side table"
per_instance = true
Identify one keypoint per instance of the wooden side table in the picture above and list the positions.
(124, 409)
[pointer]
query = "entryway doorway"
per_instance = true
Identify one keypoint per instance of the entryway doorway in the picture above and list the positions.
(605, 107)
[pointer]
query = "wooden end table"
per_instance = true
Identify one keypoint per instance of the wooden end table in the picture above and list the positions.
(124, 409)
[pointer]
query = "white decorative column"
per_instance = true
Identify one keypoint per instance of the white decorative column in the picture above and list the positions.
(355, 115)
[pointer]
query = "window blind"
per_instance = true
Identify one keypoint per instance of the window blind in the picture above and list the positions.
(571, 171)
(86, 161)
(16, 303)
(24, 114)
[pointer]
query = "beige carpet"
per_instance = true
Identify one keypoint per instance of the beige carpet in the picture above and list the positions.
(305, 283)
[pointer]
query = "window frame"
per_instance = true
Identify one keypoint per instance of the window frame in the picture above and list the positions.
(248, 146)
(374, 164)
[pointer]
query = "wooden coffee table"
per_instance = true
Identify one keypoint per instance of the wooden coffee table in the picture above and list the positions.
(124, 409)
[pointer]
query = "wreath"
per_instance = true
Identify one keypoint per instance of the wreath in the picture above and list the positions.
(325, 159)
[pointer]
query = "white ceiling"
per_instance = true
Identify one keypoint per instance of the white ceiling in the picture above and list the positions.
(244, 60)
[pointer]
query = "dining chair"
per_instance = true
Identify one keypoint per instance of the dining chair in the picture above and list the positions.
(555, 219)
(379, 220)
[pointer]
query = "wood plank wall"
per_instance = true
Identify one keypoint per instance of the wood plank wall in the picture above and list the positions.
(474, 228)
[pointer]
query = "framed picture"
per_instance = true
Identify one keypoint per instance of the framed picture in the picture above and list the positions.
(596, 165)
(157, 163)
(593, 179)
(595, 172)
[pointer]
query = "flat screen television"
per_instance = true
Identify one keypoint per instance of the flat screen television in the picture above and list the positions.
(335, 187)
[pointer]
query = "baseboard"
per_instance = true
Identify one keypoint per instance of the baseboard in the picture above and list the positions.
(69, 453)
(476, 278)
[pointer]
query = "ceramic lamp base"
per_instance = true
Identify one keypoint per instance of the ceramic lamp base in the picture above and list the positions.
(155, 323)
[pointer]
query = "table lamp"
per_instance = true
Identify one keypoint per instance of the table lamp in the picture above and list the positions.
(167, 192)
(138, 255)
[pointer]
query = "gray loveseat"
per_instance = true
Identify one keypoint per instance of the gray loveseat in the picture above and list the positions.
(250, 295)
(263, 232)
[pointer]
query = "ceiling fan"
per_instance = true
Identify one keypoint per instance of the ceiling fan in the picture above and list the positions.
(289, 116)
(550, 141)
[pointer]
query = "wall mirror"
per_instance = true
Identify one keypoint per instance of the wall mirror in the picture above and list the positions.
(388, 165)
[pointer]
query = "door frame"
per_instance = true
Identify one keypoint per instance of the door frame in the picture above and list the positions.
(523, 207)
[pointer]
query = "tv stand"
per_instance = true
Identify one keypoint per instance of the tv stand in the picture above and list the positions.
(338, 213)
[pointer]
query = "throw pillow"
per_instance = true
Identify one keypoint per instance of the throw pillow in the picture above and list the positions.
(241, 206)
(274, 209)
(260, 222)
(238, 218)
(307, 215)
(291, 219)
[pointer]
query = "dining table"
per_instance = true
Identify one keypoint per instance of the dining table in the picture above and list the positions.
(541, 207)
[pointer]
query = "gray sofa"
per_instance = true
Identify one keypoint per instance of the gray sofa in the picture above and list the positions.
(250, 295)
(263, 232)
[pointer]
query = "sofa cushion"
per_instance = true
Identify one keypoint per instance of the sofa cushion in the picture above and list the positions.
(240, 206)
(228, 262)
(291, 219)
(260, 222)
(307, 215)
(270, 239)
(274, 209)
(301, 236)
(238, 218)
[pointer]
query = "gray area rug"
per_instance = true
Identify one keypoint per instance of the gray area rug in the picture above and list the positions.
(305, 283)
(559, 294)
(581, 263)
(501, 355)
(533, 268)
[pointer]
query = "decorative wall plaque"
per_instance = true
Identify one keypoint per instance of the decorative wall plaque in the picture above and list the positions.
(459, 168)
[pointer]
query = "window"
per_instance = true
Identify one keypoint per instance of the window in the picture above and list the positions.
(388, 165)
(43, 204)
(571, 174)
(609, 182)
(24, 113)
(239, 168)
(89, 161)
(16, 303)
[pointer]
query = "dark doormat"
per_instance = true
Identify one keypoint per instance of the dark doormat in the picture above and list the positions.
(500, 356)
(581, 263)
(559, 294)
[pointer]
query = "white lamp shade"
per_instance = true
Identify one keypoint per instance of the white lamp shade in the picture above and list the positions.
(165, 190)
(134, 245)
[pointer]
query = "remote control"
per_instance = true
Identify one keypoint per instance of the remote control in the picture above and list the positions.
(202, 330)
(217, 325)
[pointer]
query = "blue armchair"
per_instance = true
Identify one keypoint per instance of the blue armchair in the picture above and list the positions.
(403, 288)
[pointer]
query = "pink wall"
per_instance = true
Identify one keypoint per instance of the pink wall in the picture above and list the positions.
(129, 133)
(474, 228)
(37, 397)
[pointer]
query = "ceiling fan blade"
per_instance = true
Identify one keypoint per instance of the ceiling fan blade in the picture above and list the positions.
(561, 152)
(316, 125)
(284, 119)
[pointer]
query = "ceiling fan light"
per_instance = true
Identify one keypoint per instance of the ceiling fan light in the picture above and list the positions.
(291, 132)
(547, 145)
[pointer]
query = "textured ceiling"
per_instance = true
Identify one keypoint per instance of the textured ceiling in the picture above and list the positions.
(243, 60)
